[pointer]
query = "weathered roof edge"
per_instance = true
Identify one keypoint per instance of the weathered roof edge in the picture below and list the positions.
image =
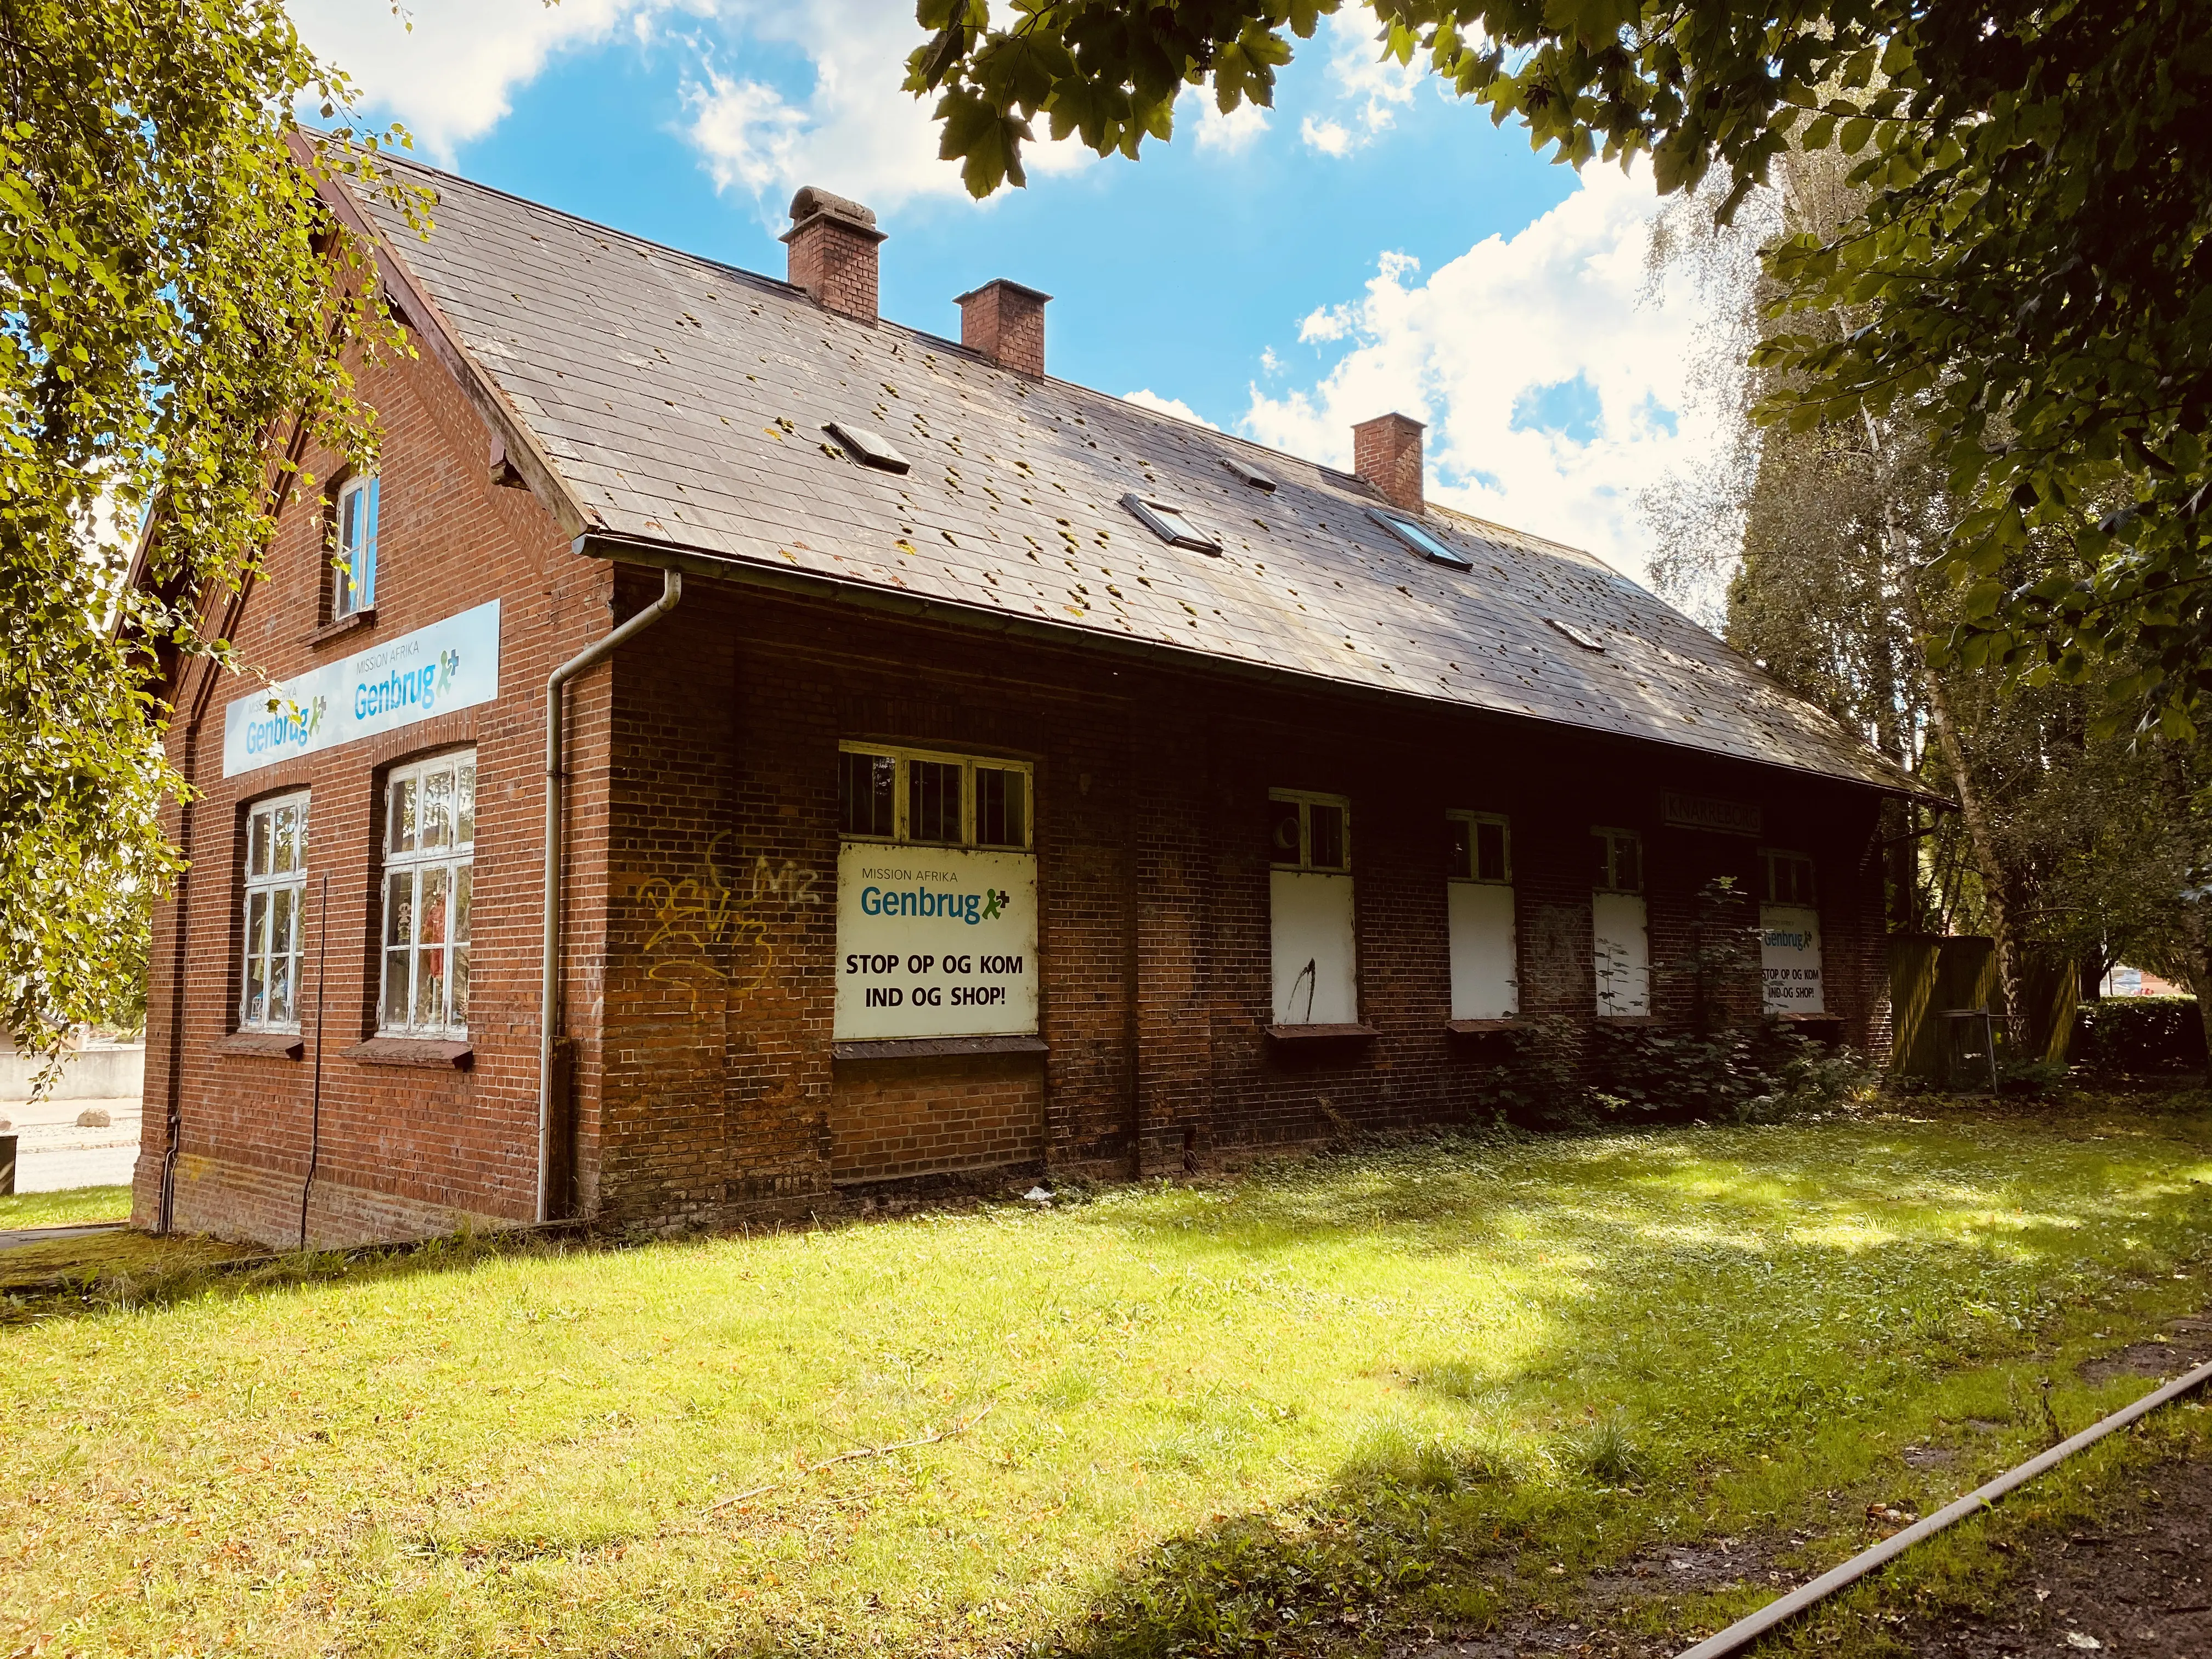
(523, 450)
(620, 548)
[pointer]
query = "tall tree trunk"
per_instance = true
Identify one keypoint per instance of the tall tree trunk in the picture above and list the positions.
(1980, 837)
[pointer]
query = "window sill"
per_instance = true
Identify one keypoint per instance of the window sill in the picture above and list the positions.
(365, 617)
(927, 1048)
(426, 1052)
(272, 1045)
(1320, 1033)
(1478, 1027)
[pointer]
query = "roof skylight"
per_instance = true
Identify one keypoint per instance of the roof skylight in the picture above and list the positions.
(1417, 537)
(1171, 523)
(1248, 473)
(1576, 634)
(868, 447)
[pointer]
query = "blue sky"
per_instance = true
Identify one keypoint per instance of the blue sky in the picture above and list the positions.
(1370, 243)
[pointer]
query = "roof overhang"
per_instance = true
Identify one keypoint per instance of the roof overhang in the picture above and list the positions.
(920, 608)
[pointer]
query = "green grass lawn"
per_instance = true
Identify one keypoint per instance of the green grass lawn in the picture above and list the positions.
(1423, 1385)
(77, 1204)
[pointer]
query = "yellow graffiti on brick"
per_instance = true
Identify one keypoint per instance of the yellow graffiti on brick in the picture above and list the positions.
(708, 933)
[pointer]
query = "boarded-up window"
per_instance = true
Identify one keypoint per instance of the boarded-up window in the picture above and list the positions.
(1485, 967)
(1316, 956)
(1621, 944)
(1790, 936)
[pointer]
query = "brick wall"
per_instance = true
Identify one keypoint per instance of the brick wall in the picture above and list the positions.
(402, 1151)
(721, 1096)
(701, 890)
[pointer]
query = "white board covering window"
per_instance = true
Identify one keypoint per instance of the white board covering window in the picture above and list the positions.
(1486, 979)
(1790, 936)
(275, 889)
(1314, 944)
(1621, 940)
(937, 897)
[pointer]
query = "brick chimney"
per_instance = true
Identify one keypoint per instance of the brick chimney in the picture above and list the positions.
(1386, 452)
(1005, 321)
(833, 251)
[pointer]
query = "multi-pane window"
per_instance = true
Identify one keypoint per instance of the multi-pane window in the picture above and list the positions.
(1313, 941)
(918, 796)
(1480, 846)
(1619, 856)
(276, 887)
(1485, 967)
(1789, 877)
(429, 869)
(353, 575)
(1308, 832)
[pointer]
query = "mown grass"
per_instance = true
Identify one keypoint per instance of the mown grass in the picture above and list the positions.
(74, 1206)
(1430, 1385)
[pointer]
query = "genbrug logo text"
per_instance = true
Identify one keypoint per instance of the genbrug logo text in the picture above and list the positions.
(418, 688)
(973, 908)
(286, 725)
(1786, 941)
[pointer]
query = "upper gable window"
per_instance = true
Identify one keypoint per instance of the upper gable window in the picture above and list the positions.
(353, 575)
(1171, 523)
(1419, 537)
(1789, 877)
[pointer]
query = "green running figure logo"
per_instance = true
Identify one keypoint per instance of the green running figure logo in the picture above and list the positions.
(996, 902)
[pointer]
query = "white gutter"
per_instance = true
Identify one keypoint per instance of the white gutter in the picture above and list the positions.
(549, 990)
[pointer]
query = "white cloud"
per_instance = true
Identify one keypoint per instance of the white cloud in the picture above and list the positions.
(1368, 89)
(1149, 398)
(1232, 133)
(1553, 398)
(448, 77)
(854, 130)
(1329, 138)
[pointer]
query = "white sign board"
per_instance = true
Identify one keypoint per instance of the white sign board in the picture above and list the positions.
(453, 663)
(1790, 955)
(935, 942)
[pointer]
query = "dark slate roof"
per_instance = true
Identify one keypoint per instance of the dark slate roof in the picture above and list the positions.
(683, 402)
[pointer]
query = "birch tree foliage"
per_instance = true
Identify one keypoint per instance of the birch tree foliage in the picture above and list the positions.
(2031, 259)
(174, 306)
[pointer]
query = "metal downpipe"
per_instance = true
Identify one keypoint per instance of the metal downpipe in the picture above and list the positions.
(549, 990)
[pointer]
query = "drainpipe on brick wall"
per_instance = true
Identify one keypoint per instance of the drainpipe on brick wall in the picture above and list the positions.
(549, 990)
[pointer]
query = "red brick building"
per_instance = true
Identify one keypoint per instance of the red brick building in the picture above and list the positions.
(991, 774)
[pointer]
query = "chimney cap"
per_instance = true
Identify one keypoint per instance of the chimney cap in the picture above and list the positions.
(812, 203)
(1022, 288)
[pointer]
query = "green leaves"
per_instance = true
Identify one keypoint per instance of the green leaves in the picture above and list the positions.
(171, 300)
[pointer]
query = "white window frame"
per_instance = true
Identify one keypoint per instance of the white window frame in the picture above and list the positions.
(1306, 800)
(1412, 532)
(1768, 857)
(1312, 915)
(1613, 837)
(1162, 517)
(454, 860)
(1472, 873)
(1483, 926)
(353, 569)
(272, 887)
(1622, 989)
(901, 802)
